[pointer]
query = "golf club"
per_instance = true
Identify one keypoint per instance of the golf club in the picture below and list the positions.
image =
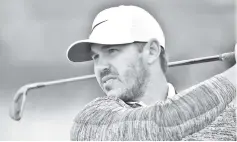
(17, 106)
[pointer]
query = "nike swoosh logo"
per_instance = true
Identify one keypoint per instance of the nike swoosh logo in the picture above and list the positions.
(98, 24)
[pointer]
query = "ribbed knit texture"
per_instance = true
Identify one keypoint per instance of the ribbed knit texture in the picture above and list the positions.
(109, 118)
(222, 129)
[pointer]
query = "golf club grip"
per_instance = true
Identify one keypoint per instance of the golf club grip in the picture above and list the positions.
(228, 56)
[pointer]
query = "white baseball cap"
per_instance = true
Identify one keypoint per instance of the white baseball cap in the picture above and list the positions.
(117, 25)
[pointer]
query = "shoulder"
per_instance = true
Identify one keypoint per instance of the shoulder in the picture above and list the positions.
(95, 116)
(99, 109)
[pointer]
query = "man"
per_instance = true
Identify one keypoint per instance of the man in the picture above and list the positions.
(127, 46)
(131, 71)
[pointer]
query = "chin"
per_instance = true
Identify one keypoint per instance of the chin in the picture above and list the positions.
(113, 93)
(119, 93)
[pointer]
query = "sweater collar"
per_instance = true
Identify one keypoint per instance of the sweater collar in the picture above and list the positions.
(171, 93)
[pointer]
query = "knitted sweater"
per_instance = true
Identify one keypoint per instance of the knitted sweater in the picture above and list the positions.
(109, 118)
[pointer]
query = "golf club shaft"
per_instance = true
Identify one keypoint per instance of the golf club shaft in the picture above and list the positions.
(221, 57)
(43, 84)
(16, 109)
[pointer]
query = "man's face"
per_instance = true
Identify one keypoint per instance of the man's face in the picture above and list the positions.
(120, 70)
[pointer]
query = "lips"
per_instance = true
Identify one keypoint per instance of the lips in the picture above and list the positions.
(108, 77)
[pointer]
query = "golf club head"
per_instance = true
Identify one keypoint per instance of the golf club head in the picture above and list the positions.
(17, 106)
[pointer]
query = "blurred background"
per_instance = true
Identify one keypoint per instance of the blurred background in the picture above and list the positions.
(34, 36)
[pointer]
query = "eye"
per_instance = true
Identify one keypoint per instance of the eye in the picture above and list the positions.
(95, 56)
(112, 50)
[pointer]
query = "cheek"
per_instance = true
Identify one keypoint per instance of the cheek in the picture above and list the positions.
(127, 72)
(125, 60)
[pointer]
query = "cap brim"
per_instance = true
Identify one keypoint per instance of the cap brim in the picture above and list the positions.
(79, 51)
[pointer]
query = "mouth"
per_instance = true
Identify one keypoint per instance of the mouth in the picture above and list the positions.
(107, 78)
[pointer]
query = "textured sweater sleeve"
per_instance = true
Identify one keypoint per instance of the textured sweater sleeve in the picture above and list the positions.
(109, 118)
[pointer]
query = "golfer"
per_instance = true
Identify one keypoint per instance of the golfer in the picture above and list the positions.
(127, 46)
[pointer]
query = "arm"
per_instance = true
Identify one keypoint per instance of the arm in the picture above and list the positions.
(194, 108)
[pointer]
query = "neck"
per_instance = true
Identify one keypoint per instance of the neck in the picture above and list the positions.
(156, 91)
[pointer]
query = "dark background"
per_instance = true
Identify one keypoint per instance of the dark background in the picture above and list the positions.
(34, 36)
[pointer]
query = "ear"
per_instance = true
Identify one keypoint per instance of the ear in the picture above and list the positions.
(153, 50)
